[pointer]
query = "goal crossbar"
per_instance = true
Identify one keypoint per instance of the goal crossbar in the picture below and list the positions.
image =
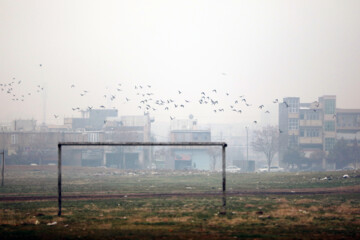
(203, 144)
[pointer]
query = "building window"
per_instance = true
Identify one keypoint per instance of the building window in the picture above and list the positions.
(302, 132)
(93, 137)
(329, 143)
(293, 123)
(13, 139)
(293, 141)
(330, 106)
(293, 105)
(329, 126)
(313, 116)
(312, 132)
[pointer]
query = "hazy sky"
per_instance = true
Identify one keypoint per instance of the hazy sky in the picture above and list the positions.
(260, 49)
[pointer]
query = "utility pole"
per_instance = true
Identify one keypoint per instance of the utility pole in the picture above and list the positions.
(2, 168)
(247, 144)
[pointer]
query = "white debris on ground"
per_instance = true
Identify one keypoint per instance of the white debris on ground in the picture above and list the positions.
(52, 223)
(303, 211)
(326, 178)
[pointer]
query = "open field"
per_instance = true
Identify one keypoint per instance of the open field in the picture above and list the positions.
(178, 205)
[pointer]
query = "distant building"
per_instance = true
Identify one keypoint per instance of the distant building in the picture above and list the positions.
(348, 124)
(189, 157)
(92, 119)
(314, 127)
(27, 143)
(24, 125)
(129, 129)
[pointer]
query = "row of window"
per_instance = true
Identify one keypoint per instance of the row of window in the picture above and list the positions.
(311, 132)
(310, 116)
(329, 126)
(92, 137)
(293, 124)
(329, 143)
(293, 105)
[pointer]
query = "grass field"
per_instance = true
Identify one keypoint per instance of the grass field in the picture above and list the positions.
(253, 211)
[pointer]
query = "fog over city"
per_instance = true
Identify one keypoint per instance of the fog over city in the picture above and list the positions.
(76, 55)
(179, 119)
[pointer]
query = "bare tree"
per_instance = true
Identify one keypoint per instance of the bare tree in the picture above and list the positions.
(267, 142)
(215, 154)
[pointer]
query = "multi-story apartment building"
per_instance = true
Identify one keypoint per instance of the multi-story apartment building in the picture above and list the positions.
(314, 127)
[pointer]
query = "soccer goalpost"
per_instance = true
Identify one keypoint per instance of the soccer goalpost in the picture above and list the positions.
(203, 144)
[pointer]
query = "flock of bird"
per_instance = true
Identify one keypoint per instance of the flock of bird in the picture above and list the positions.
(10, 87)
(145, 100)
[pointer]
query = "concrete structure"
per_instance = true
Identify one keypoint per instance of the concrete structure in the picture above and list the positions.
(348, 124)
(128, 129)
(92, 119)
(24, 125)
(314, 127)
(38, 145)
(200, 158)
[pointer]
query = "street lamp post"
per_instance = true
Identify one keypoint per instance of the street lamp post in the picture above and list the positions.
(247, 143)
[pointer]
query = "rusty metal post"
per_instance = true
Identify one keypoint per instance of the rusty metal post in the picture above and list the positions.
(3, 168)
(59, 179)
(223, 180)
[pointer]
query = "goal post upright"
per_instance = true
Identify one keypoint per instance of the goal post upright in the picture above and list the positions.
(59, 178)
(203, 144)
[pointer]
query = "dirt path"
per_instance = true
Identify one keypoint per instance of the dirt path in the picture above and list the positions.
(79, 196)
